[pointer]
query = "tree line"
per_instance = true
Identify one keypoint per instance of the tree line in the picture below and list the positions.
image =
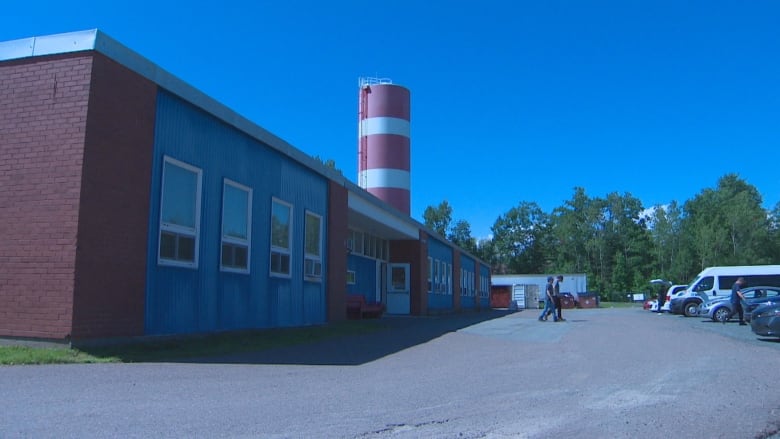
(618, 243)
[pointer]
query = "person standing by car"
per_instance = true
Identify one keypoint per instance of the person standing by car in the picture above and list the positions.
(736, 301)
(549, 303)
(662, 298)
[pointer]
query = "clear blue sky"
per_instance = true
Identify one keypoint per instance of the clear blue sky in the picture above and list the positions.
(511, 100)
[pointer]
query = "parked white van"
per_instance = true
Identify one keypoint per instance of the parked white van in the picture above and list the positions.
(714, 282)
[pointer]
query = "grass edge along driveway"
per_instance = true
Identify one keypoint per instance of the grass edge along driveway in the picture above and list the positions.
(158, 349)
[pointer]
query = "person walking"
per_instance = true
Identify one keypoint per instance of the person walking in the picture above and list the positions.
(557, 297)
(736, 301)
(549, 302)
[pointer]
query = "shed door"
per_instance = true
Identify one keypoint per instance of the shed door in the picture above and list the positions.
(518, 295)
(398, 301)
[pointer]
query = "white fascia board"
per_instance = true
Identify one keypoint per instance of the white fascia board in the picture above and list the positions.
(376, 213)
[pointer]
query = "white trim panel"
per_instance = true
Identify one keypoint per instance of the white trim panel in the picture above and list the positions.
(48, 44)
(384, 125)
(385, 177)
(376, 213)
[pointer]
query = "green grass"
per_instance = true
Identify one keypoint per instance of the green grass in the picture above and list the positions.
(603, 304)
(10, 355)
(174, 348)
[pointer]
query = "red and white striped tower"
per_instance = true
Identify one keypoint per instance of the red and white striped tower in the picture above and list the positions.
(383, 141)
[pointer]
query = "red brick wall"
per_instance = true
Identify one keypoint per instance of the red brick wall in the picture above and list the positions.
(43, 114)
(110, 277)
(337, 252)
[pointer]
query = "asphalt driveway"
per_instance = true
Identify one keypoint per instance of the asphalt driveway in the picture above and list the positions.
(602, 373)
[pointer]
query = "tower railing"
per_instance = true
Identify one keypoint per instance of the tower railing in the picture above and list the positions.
(372, 80)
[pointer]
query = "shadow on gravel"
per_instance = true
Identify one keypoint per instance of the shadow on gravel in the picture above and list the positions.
(398, 333)
(769, 340)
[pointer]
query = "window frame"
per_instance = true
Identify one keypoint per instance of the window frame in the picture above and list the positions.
(430, 274)
(275, 249)
(351, 277)
(316, 259)
(234, 241)
(177, 229)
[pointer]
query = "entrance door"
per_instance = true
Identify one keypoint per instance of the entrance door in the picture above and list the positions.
(398, 301)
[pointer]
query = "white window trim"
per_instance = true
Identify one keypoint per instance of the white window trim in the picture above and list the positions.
(233, 240)
(316, 259)
(276, 249)
(351, 277)
(176, 228)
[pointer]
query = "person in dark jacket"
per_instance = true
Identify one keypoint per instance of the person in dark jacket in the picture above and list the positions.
(557, 297)
(661, 299)
(736, 301)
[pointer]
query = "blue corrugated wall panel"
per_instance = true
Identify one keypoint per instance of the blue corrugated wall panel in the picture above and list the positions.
(468, 264)
(443, 252)
(181, 300)
(365, 277)
(484, 272)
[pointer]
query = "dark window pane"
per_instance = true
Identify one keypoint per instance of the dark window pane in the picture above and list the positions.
(240, 259)
(285, 266)
(167, 245)
(227, 255)
(186, 248)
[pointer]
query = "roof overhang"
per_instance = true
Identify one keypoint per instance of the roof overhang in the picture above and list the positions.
(365, 215)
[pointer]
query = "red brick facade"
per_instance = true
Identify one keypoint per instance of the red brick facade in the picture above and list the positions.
(75, 152)
(114, 211)
(43, 117)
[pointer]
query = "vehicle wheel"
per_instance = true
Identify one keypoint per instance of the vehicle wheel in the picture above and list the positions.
(691, 309)
(721, 314)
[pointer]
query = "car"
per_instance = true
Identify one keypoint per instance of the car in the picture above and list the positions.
(766, 320)
(749, 307)
(718, 309)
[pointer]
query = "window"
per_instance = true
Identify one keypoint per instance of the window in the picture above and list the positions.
(355, 242)
(312, 251)
(430, 274)
(449, 279)
(179, 214)
(281, 225)
(236, 221)
(435, 275)
(705, 284)
(350, 277)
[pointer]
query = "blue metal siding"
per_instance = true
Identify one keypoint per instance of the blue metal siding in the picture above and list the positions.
(365, 276)
(484, 273)
(442, 252)
(182, 300)
(468, 264)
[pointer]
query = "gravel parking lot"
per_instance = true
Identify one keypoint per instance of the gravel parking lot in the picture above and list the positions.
(612, 373)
